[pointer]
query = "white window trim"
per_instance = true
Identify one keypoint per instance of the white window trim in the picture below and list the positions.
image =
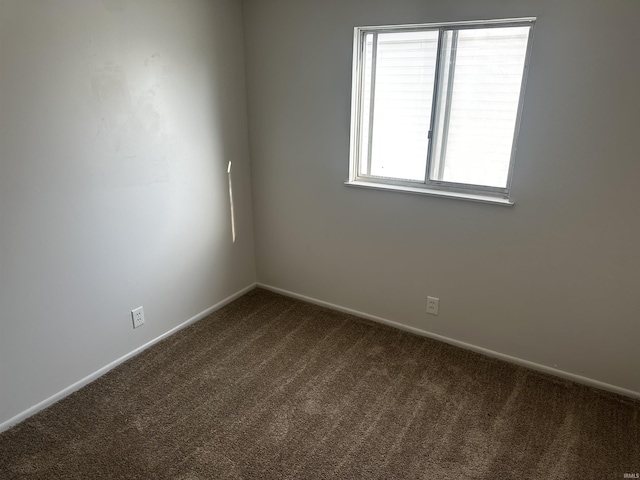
(470, 192)
(473, 197)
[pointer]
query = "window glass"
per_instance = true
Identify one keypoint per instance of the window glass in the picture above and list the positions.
(486, 67)
(437, 106)
(404, 78)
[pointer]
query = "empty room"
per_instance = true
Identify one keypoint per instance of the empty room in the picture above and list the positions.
(315, 239)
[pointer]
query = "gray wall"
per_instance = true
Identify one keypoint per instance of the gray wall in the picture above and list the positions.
(553, 280)
(117, 119)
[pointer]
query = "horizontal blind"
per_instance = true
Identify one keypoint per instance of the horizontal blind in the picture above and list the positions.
(404, 80)
(489, 65)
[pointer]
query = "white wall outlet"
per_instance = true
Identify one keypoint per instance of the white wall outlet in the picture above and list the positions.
(137, 315)
(432, 305)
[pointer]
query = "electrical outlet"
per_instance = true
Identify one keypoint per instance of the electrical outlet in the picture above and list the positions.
(432, 305)
(137, 315)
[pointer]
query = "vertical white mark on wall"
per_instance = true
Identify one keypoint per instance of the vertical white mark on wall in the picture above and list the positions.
(233, 220)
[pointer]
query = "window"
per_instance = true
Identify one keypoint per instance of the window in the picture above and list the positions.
(436, 107)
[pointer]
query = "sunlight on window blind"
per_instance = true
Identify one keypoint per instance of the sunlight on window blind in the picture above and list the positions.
(487, 73)
(405, 69)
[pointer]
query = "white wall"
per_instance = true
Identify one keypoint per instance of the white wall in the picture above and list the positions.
(117, 119)
(553, 280)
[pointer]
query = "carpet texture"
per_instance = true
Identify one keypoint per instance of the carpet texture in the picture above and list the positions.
(271, 387)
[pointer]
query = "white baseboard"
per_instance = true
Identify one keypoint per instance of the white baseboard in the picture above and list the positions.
(484, 351)
(98, 373)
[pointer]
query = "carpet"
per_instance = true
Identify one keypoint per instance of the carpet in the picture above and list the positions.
(272, 387)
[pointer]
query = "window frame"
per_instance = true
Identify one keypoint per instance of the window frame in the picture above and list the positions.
(428, 186)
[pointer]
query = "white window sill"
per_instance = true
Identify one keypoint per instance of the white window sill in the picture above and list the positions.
(473, 197)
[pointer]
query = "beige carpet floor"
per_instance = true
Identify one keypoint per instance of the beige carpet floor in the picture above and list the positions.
(271, 387)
